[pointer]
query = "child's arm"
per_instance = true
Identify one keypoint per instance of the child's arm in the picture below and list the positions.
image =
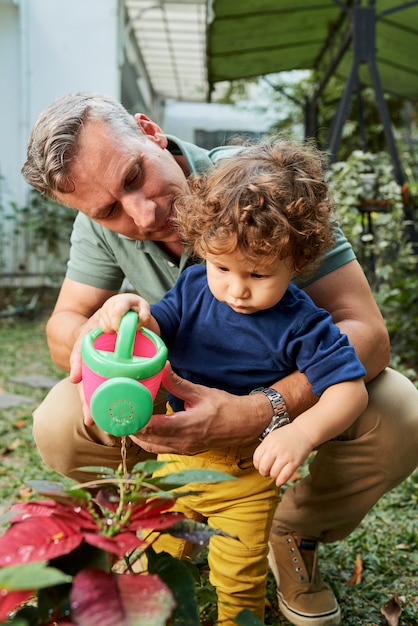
(285, 449)
(114, 308)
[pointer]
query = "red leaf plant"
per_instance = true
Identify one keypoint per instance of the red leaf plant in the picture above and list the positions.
(75, 557)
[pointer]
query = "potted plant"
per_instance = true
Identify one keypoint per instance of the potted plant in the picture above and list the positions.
(84, 555)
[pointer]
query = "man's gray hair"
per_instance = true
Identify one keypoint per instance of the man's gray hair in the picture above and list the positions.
(54, 141)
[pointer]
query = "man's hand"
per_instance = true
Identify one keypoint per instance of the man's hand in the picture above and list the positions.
(75, 358)
(211, 419)
(75, 364)
(88, 418)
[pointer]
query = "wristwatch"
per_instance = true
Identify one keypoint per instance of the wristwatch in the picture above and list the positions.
(280, 415)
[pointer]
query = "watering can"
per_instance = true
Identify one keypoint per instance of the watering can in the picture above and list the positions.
(121, 375)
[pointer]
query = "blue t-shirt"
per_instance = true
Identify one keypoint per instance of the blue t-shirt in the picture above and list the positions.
(210, 344)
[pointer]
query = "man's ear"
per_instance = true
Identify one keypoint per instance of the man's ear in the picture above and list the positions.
(151, 129)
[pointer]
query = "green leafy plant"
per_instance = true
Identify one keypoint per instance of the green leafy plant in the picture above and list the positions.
(48, 222)
(38, 231)
(362, 178)
(84, 554)
(368, 205)
(34, 248)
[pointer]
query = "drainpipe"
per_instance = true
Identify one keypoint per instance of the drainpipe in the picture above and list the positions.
(24, 124)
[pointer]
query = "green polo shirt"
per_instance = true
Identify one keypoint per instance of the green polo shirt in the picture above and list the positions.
(101, 258)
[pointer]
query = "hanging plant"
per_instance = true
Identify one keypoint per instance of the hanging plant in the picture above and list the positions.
(364, 179)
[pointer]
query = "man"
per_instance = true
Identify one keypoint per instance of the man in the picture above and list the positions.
(122, 174)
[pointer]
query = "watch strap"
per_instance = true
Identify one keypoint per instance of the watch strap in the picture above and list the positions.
(280, 415)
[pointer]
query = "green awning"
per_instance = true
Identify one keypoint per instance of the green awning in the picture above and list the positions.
(249, 38)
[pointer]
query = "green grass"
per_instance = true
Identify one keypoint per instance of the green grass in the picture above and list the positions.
(23, 351)
(386, 541)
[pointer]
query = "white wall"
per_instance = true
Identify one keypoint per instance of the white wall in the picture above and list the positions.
(48, 48)
(72, 47)
(10, 116)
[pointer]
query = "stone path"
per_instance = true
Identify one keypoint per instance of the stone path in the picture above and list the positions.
(36, 381)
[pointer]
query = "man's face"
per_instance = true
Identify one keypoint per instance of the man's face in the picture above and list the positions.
(128, 184)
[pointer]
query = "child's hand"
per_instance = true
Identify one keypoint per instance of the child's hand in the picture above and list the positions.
(282, 452)
(112, 311)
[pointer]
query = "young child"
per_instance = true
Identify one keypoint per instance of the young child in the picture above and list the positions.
(238, 324)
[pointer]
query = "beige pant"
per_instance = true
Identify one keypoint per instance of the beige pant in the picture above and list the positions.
(346, 479)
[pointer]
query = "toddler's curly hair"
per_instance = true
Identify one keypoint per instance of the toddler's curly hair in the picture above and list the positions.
(270, 201)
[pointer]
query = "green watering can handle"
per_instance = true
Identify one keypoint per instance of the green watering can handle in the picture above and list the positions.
(126, 335)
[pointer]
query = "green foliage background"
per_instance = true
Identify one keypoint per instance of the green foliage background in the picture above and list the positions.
(386, 254)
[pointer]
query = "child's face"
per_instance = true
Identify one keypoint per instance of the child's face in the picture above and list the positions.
(243, 286)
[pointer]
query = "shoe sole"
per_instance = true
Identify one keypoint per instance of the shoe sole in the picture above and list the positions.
(305, 619)
(332, 618)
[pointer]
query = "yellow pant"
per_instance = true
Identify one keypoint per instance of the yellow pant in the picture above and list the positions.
(243, 507)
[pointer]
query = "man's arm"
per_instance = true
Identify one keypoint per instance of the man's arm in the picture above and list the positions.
(346, 294)
(214, 418)
(72, 317)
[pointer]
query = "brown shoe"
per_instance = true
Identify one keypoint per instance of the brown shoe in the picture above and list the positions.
(304, 599)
